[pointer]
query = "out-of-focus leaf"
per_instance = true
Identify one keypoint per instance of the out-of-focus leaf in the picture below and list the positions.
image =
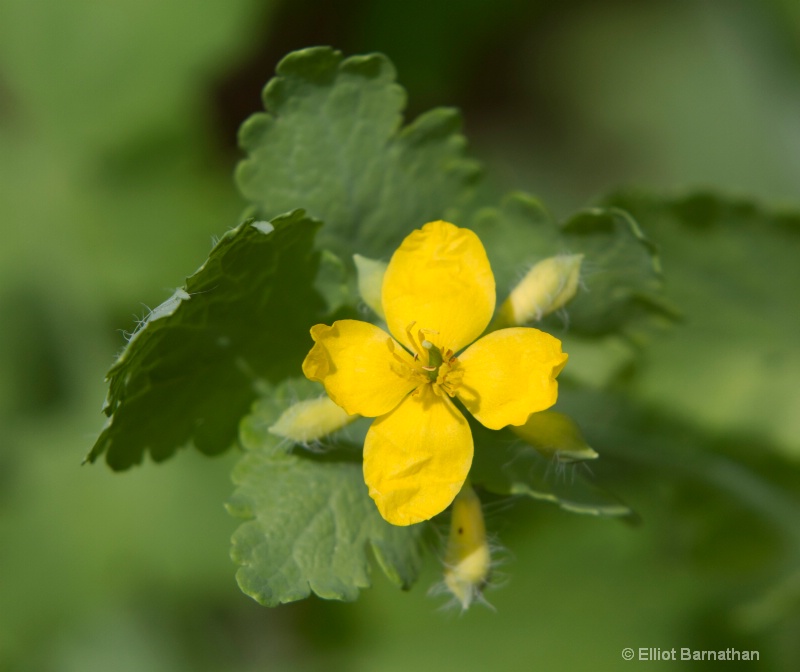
(33, 377)
(596, 362)
(506, 466)
(108, 106)
(777, 602)
(309, 519)
(657, 448)
(734, 365)
(187, 374)
(525, 221)
(555, 435)
(116, 69)
(333, 282)
(331, 142)
(620, 274)
(618, 302)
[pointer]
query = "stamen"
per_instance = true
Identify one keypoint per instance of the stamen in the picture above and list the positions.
(438, 364)
(415, 346)
(402, 361)
(405, 369)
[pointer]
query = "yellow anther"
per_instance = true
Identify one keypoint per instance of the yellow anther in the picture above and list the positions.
(437, 365)
(414, 345)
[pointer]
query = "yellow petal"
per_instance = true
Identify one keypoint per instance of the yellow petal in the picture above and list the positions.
(417, 457)
(510, 374)
(440, 279)
(354, 361)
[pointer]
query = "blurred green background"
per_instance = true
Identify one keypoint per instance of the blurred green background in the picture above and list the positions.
(117, 145)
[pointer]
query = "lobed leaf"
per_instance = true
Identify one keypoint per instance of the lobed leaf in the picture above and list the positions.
(733, 365)
(187, 374)
(506, 466)
(309, 518)
(620, 283)
(331, 141)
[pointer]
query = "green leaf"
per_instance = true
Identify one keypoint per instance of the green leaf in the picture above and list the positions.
(333, 283)
(331, 142)
(133, 73)
(732, 367)
(556, 436)
(648, 445)
(516, 235)
(187, 374)
(619, 299)
(620, 274)
(309, 518)
(597, 362)
(126, 153)
(515, 468)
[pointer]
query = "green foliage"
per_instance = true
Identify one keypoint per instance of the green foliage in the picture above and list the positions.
(123, 155)
(188, 372)
(622, 277)
(310, 518)
(115, 178)
(556, 436)
(734, 363)
(331, 142)
(138, 56)
(619, 302)
(505, 466)
(620, 274)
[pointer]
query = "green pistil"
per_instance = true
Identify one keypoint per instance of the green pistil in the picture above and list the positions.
(435, 360)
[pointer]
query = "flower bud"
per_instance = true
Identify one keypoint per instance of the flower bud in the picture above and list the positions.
(310, 420)
(468, 558)
(370, 282)
(555, 435)
(544, 289)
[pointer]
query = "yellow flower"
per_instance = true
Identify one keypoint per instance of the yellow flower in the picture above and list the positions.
(438, 296)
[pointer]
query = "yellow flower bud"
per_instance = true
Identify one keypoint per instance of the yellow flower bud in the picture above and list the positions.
(468, 558)
(556, 435)
(544, 289)
(310, 420)
(370, 282)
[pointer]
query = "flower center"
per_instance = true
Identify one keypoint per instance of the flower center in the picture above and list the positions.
(432, 365)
